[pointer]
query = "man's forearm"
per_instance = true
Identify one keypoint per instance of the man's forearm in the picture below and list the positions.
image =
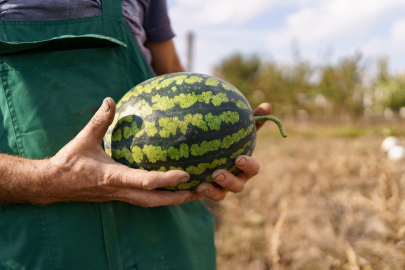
(23, 180)
(164, 57)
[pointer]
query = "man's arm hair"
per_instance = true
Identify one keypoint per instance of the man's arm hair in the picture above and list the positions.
(23, 180)
(164, 57)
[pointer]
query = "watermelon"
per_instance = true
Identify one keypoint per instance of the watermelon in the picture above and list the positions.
(183, 121)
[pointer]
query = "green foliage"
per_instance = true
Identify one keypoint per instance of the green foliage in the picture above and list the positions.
(393, 92)
(330, 89)
(341, 83)
(283, 85)
(239, 70)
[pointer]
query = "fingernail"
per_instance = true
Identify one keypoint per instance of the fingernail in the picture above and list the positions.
(183, 179)
(242, 162)
(106, 106)
(188, 199)
(206, 192)
(219, 177)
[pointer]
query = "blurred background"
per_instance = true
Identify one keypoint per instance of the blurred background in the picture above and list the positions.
(331, 195)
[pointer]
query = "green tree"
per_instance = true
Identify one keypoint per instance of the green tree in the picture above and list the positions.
(239, 70)
(342, 84)
(284, 86)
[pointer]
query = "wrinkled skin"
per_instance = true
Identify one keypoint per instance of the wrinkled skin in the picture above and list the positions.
(227, 181)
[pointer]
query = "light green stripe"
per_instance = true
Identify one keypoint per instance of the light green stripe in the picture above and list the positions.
(156, 153)
(209, 179)
(188, 185)
(122, 153)
(163, 103)
(128, 119)
(240, 104)
(147, 127)
(212, 82)
(162, 169)
(137, 154)
(193, 79)
(214, 145)
(117, 136)
(155, 84)
(214, 121)
(234, 168)
(132, 131)
(233, 89)
(170, 125)
(202, 167)
(240, 151)
(237, 153)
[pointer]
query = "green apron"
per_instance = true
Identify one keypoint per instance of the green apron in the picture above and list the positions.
(53, 77)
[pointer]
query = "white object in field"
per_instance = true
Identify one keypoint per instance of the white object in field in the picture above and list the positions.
(258, 96)
(303, 116)
(397, 152)
(320, 101)
(388, 114)
(388, 143)
(402, 112)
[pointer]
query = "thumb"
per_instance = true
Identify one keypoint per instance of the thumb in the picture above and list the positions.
(95, 130)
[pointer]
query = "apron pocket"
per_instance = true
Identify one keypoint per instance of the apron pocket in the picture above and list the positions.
(50, 96)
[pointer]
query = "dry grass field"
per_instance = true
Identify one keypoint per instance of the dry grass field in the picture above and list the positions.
(326, 198)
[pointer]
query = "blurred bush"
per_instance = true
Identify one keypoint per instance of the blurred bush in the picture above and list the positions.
(344, 89)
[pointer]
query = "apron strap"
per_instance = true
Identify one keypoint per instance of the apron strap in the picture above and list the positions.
(111, 8)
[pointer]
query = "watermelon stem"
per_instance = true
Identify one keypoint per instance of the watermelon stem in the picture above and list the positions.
(274, 119)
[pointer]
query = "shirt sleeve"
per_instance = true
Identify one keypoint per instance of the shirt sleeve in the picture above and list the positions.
(157, 23)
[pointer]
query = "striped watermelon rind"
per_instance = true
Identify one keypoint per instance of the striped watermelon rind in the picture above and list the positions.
(186, 121)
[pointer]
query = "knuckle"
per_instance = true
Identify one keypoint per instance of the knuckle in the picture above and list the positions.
(171, 178)
(109, 179)
(176, 202)
(151, 202)
(115, 195)
(238, 188)
(97, 120)
(65, 160)
(146, 184)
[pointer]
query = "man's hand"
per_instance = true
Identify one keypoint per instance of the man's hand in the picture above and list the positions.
(228, 182)
(82, 171)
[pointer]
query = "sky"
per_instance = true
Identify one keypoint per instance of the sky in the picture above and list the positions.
(322, 31)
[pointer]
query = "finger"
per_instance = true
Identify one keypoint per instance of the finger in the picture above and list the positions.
(228, 181)
(196, 196)
(211, 192)
(95, 130)
(120, 175)
(262, 110)
(247, 165)
(154, 198)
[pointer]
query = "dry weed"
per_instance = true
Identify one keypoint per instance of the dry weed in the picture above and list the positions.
(318, 203)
